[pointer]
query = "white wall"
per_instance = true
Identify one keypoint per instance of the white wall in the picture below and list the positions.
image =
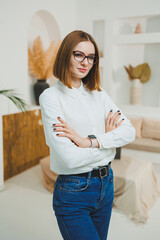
(15, 17)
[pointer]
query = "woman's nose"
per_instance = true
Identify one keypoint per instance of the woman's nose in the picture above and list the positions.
(85, 61)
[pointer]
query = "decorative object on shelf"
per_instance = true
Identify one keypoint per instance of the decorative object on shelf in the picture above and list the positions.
(138, 75)
(138, 28)
(136, 92)
(13, 96)
(40, 64)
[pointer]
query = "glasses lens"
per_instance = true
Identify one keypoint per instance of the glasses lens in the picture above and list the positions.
(79, 56)
(91, 59)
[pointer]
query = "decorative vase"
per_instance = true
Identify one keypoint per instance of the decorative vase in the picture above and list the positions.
(136, 92)
(138, 28)
(39, 87)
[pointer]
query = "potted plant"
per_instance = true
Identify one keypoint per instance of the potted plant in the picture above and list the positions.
(12, 95)
(40, 65)
(138, 75)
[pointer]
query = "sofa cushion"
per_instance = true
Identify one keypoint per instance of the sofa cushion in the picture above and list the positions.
(145, 144)
(137, 124)
(151, 129)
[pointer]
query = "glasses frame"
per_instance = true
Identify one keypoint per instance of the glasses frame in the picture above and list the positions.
(95, 58)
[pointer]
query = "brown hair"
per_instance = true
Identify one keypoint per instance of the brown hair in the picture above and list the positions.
(61, 68)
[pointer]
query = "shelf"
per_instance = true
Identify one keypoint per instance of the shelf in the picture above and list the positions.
(142, 38)
(127, 25)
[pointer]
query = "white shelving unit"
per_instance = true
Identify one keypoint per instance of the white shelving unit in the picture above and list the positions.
(133, 48)
(142, 38)
(128, 47)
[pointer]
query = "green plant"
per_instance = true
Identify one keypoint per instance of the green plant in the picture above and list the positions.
(12, 95)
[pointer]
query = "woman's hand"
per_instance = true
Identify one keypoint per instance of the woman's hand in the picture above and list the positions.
(66, 131)
(112, 121)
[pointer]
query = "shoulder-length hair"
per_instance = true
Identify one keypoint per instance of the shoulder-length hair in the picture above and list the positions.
(61, 68)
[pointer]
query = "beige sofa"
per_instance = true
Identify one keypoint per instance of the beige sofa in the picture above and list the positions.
(147, 135)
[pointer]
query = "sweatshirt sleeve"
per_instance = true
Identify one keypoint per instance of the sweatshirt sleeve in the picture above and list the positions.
(70, 155)
(119, 136)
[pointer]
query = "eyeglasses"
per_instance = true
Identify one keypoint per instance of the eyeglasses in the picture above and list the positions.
(80, 56)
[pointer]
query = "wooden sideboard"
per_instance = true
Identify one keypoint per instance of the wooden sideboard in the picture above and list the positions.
(23, 142)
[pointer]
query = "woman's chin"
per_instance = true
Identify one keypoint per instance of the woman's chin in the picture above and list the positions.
(82, 75)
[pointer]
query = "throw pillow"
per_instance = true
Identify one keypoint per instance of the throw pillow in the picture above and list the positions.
(151, 129)
(137, 124)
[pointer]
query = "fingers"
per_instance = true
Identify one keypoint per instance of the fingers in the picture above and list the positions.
(61, 120)
(108, 118)
(61, 130)
(112, 121)
(115, 118)
(64, 135)
(119, 123)
(62, 127)
(59, 125)
(62, 124)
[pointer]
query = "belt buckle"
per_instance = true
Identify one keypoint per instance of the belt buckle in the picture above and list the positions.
(106, 171)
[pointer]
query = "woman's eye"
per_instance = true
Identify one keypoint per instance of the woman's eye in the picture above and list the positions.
(78, 55)
(91, 57)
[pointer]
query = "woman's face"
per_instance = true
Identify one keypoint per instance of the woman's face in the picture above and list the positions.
(80, 69)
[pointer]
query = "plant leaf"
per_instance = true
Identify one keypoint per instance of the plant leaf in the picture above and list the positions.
(12, 95)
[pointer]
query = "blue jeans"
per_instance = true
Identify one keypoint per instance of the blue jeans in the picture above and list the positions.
(83, 206)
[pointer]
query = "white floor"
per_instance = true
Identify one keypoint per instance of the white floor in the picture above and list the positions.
(26, 213)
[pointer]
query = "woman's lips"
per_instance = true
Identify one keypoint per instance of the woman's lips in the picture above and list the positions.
(82, 70)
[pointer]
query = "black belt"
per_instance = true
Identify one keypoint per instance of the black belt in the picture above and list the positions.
(100, 172)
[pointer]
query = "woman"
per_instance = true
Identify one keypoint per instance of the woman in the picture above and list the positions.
(82, 128)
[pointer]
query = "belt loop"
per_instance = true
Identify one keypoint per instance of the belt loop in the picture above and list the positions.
(89, 176)
(109, 168)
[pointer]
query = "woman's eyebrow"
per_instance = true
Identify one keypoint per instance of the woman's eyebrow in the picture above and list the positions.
(84, 53)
